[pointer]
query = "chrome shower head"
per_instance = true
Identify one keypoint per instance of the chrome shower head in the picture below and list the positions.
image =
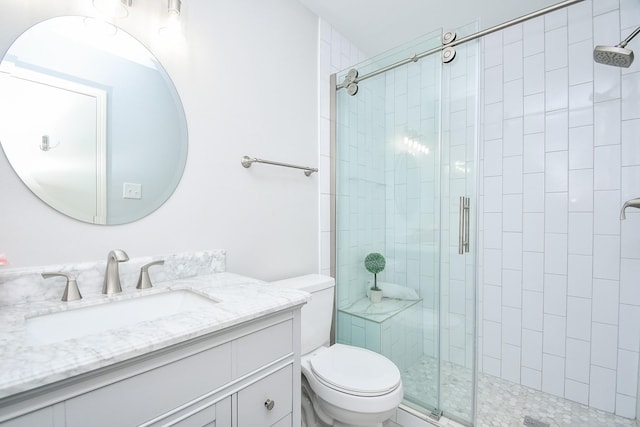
(613, 55)
(619, 55)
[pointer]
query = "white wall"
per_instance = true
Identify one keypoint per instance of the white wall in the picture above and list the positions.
(561, 303)
(247, 76)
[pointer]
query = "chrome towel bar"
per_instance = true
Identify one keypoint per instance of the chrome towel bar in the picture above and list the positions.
(248, 161)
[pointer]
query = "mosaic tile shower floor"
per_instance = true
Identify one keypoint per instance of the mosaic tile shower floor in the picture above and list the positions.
(501, 403)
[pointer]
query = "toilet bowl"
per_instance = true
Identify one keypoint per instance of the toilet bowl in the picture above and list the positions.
(347, 386)
(351, 385)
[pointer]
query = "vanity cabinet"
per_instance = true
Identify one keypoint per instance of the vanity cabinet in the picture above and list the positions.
(41, 418)
(244, 376)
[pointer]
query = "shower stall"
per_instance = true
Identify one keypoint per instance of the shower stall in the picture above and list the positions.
(513, 250)
(405, 159)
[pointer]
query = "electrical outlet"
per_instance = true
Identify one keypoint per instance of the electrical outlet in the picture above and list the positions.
(131, 191)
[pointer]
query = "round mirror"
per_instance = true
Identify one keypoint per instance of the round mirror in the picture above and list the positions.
(90, 120)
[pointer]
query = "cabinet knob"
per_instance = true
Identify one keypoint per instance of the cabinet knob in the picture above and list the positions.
(269, 404)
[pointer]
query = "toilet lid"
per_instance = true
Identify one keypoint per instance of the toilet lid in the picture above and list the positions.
(355, 370)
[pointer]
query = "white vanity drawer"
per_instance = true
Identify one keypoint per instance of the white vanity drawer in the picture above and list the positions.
(261, 347)
(277, 387)
(218, 415)
(150, 394)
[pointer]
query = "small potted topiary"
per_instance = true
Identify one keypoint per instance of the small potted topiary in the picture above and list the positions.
(374, 263)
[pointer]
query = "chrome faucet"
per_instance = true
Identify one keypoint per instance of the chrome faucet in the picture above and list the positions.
(633, 203)
(111, 283)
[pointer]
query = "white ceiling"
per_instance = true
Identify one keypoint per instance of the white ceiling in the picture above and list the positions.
(378, 25)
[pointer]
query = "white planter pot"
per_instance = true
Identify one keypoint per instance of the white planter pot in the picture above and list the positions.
(375, 296)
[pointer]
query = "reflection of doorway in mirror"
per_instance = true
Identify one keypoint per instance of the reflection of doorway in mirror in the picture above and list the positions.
(60, 152)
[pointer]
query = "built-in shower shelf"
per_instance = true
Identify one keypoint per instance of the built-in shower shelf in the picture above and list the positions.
(378, 312)
(392, 327)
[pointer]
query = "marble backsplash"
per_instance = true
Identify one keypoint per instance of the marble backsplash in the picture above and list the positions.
(25, 285)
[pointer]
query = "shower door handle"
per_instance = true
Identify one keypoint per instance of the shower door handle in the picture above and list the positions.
(467, 203)
(463, 226)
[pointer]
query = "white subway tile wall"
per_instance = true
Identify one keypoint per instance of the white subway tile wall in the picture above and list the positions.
(560, 153)
(335, 53)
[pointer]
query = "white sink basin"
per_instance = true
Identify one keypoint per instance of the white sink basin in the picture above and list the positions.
(75, 323)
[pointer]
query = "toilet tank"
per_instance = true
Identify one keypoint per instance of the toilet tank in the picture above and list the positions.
(318, 312)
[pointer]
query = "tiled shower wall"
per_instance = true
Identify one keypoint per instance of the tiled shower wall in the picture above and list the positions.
(335, 53)
(360, 172)
(412, 116)
(560, 154)
(360, 188)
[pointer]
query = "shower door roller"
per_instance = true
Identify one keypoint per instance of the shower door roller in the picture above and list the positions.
(463, 229)
(350, 82)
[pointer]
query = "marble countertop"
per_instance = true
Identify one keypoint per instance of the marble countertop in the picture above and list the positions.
(378, 312)
(26, 366)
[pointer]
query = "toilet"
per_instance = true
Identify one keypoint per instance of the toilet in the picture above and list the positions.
(346, 386)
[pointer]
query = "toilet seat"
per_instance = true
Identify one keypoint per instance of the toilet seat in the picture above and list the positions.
(351, 383)
(355, 371)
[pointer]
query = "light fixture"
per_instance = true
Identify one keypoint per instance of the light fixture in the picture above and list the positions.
(114, 9)
(172, 30)
(174, 7)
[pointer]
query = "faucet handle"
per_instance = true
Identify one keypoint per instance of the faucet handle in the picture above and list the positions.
(144, 281)
(71, 290)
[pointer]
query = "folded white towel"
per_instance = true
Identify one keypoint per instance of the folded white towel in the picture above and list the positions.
(391, 290)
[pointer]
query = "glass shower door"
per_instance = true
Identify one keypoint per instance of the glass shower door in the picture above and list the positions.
(458, 232)
(404, 156)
